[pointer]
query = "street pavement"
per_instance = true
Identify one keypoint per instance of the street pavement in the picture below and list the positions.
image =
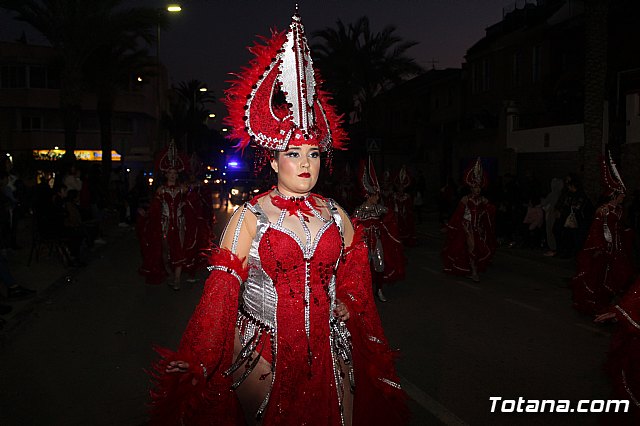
(76, 355)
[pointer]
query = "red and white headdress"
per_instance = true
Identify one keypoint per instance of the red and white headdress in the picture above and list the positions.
(277, 101)
(475, 176)
(170, 158)
(611, 181)
(368, 178)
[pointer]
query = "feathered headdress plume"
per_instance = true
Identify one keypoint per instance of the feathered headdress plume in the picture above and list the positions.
(277, 101)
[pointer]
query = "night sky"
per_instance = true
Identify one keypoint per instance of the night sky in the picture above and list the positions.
(208, 39)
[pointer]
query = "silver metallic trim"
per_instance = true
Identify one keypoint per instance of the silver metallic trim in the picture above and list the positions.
(227, 270)
(236, 234)
(628, 317)
(390, 383)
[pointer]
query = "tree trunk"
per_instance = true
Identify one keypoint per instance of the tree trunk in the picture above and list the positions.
(70, 105)
(596, 12)
(105, 114)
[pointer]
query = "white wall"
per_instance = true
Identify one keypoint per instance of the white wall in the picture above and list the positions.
(633, 118)
(547, 139)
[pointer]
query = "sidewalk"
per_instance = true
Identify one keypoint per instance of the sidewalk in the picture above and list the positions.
(46, 273)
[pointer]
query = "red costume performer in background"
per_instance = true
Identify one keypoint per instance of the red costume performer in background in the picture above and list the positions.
(604, 263)
(623, 365)
(161, 231)
(386, 253)
(199, 220)
(286, 329)
(404, 207)
(471, 241)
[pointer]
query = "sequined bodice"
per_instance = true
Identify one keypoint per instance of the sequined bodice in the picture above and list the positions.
(290, 295)
(283, 259)
(473, 211)
(285, 273)
(172, 204)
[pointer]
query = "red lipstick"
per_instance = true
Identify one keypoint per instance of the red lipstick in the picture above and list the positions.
(304, 175)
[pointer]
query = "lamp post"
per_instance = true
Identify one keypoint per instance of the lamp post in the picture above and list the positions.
(171, 8)
(193, 120)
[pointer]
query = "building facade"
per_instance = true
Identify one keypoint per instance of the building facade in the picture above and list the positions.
(30, 116)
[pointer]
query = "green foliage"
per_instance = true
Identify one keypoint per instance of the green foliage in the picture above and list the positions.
(358, 64)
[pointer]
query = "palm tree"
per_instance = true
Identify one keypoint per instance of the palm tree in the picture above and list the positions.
(596, 12)
(188, 111)
(68, 25)
(112, 65)
(359, 64)
(77, 29)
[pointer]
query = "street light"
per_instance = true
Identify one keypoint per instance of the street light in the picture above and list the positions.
(212, 115)
(172, 8)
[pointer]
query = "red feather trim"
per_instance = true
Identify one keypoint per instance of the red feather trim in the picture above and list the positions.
(236, 96)
(373, 358)
(228, 259)
(175, 393)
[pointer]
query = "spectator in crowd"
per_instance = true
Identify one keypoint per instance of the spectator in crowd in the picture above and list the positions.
(72, 178)
(551, 214)
(533, 224)
(12, 289)
(572, 225)
(74, 230)
(14, 191)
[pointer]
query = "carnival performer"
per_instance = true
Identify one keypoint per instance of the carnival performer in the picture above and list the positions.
(304, 345)
(386, 253)
(604, 264)
(199, 220)
(161, 231)
(471, 242)
(623, 364)
(404, 207)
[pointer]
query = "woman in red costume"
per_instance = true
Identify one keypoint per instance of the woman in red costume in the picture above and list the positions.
(404, 205)
(604, 263)
(286, 332)
(161, 231)
(386, 254)
(623, 364)
(199, 220)
(471, 240)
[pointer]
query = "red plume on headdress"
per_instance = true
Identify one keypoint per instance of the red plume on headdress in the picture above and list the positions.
(367, 177)
(282, 67)
(475, 176)
(611, 181)
(171, 158)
